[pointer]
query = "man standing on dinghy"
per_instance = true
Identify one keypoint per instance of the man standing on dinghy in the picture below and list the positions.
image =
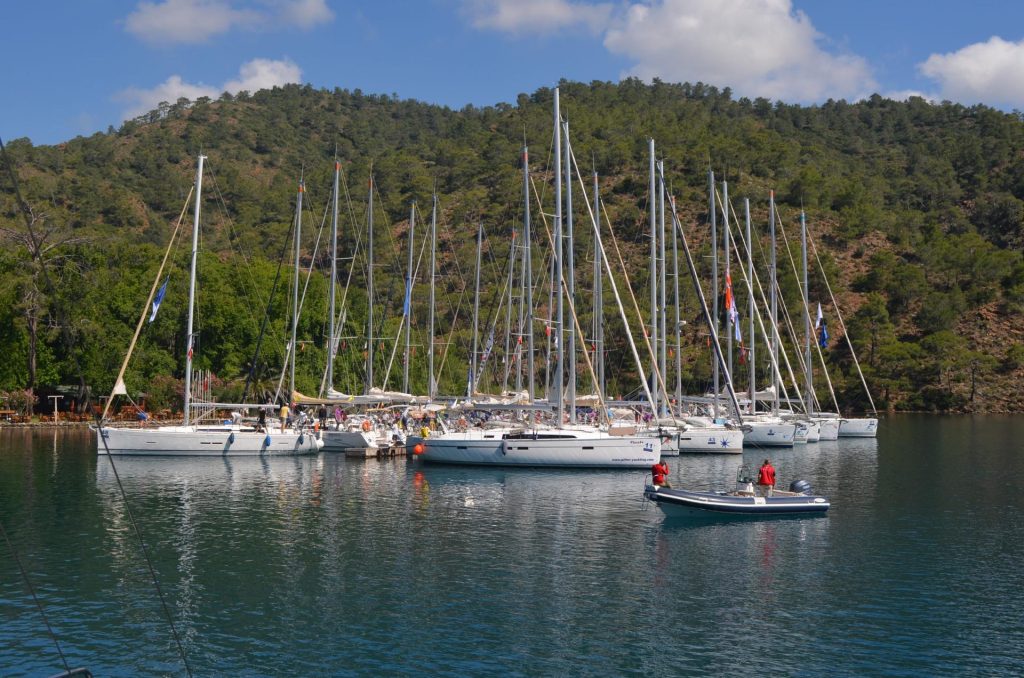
(766, 477)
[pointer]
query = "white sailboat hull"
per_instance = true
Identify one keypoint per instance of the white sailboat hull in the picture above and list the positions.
(586, 450)
(710, 440)
(866, 427)
(339, 441)
(203, 441)
(829, 429)
(769, 434)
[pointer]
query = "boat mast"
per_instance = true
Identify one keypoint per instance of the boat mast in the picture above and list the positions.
(295, 280)
(750, 283)
(528, 265)
(571, 273)
(662, 345)
(809, 408)
(652, 197)
(598, 299)
(775, 307)
(556, 281)
(509, 362)
(714, 286)
(476, 312)
(369, 291)
(715, 344)
(728, 276)
(679, 329)
(431, 385)
(192, 289)
(331, 341)
(408, 299)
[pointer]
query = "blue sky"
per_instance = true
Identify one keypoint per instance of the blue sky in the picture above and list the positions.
(73, 67)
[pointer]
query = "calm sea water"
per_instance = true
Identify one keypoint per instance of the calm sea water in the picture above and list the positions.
(325, 566)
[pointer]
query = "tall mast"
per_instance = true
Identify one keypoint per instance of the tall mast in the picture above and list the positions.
(679, 330)
(775, 306)
(715, 344)
(714, 284)
(571, 274)
(189, 343)
(528, 265)
(295, 280)
(508, 310)
(654, 277)
(369, 292)
(517, 362)
(476, 313)
(809, 409)
(728, 276)
(331, 341)
(431, 385)
(598, 299)
(556, 281)
(750, 289)
(662, 345)
(407, 310)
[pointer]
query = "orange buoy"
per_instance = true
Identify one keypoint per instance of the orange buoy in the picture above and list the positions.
(366, 425)
(418, 449)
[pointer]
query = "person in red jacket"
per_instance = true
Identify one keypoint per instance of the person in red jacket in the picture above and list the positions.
(766, 477)
(660, 473)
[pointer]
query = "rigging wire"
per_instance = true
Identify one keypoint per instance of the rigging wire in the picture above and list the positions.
(35, 598)
(145, 551)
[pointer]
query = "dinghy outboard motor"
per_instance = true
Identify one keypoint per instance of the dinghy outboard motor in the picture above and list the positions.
(800, 487)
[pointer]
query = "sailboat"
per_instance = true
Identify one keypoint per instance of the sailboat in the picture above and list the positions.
(765, 429)
(360, 431)
(566, 443)
(193, 436)
(680, 434)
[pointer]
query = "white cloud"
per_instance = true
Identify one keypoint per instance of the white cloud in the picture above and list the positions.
(989, 72)
(537, 16)
(194, 21)
(253, 76)
(756, 47)
(907, 94)
(187, 21)
(306, 13)
(263, 74)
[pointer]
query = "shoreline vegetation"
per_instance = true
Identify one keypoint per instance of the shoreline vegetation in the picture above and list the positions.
(916, 209)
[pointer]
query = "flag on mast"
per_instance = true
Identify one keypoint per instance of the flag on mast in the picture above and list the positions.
(158, 299)
(730, 307)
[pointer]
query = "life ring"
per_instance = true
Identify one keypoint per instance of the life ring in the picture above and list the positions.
(366, 425)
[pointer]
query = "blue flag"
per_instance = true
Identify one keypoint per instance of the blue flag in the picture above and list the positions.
(823, 336)
(157, 299)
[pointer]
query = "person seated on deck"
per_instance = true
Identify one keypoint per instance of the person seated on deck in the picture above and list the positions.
(660, 473)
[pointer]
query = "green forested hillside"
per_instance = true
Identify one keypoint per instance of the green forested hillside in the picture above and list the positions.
(917, 211)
